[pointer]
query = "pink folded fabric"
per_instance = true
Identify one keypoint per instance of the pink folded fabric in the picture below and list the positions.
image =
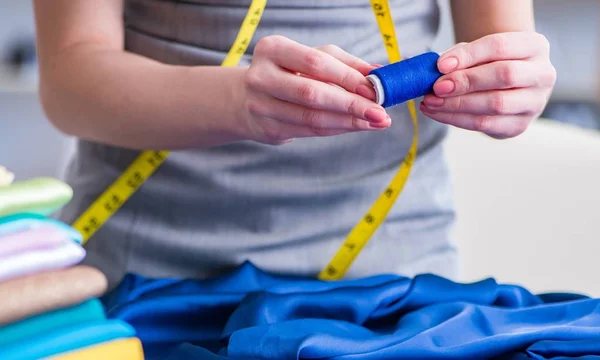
(43, 238)
(66, 255)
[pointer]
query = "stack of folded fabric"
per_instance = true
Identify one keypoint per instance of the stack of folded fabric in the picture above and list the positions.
(49, 302)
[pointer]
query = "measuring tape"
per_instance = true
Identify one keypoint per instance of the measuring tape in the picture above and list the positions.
(148, 162)
(362, 232)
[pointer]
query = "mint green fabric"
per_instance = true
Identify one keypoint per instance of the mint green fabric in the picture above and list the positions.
(42, 196)
(36, 326)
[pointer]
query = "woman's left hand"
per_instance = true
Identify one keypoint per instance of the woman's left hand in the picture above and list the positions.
(496, 85)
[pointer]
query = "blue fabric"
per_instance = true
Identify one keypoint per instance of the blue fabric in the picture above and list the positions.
(583, 349)
(38, 325)
(67, 339)
(250, 314)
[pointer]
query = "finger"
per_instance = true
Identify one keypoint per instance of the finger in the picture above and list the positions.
(500, 127)
(354, 62)
(317, 64)
(505, 102)
(315, 94)
(275, 132)
(453, 48)
(307, 117)
(494, 47)
(493, 76)
(366, 91)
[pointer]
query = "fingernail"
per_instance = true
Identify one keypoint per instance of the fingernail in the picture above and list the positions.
(366, 92)
(377, 65)
(376, 115)
(444, 87)
(448, 64)
(425, 109)
(432, 100)
(382, 125)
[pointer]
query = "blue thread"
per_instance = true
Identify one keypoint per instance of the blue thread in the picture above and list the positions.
(408, 79)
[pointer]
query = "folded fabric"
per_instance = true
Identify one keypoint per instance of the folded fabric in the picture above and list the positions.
(250, 314)
(27, 221)
(40, 196)
(31, 295)
(122, 349)
(6, 177)
(45, 237)
(88, 311)
(35, 261)
(580, 350)
(67, 339)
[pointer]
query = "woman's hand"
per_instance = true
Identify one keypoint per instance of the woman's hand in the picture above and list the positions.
(293, 91)
(496, 85)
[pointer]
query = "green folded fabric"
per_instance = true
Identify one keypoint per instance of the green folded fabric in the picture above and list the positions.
(36, 326)
(42, 196)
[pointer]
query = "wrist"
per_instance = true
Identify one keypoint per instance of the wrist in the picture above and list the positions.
(239, 115)
(213, 99)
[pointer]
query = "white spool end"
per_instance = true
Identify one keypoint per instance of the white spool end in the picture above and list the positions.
(379, 93)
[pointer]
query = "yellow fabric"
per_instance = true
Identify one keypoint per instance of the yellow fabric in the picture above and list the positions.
(122, 349)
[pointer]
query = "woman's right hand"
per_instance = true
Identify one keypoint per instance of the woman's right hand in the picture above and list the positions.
(292, 91)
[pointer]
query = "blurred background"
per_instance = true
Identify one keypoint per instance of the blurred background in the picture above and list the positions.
(527, 207)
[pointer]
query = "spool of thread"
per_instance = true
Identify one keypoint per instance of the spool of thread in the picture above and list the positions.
(405, 80)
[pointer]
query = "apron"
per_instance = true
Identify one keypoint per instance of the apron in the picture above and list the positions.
(285, 208)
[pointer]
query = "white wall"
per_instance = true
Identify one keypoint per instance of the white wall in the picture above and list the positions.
(15, 19)
(573, 28)
(29, 145)
(528, 207)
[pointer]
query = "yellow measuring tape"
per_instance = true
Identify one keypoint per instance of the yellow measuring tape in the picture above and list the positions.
(147, 162)
(362, 232)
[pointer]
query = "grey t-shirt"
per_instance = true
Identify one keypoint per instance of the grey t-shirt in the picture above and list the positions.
(286, 208)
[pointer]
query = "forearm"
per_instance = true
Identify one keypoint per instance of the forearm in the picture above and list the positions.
(121, 99)
(474, 19)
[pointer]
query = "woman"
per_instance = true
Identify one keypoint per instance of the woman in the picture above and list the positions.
(151, 80)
